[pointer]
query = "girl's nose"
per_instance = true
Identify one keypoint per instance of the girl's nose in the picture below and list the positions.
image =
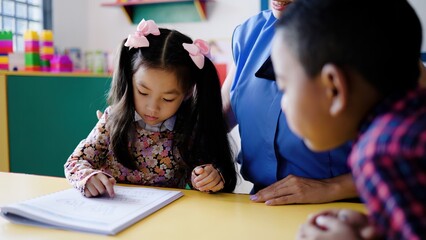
(152, 106)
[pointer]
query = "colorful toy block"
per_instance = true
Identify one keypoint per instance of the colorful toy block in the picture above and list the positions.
(61, 63)
(6, 47)
(45, 65)
(4, 62)
(47, 50)
(32, 51)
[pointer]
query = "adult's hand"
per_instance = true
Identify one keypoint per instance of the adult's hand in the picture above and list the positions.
(293, 189)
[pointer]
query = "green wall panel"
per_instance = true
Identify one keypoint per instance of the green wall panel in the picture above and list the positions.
(48, 116)
(166, 12)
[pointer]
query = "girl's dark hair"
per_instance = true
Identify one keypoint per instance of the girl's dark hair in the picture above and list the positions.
(380, 40)
(200, 128)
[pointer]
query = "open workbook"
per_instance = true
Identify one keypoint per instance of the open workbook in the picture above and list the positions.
(70, 210)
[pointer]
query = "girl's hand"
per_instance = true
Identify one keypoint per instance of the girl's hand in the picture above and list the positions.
(98, 184)
(206, 178)
(99, 114)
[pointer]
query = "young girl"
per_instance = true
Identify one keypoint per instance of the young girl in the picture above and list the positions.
(164, 126)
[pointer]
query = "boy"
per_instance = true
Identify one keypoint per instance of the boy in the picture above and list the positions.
(350, 71)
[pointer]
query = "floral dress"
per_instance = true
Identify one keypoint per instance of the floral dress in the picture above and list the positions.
(158, 161)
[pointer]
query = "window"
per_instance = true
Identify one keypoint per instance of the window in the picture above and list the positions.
(20, 15)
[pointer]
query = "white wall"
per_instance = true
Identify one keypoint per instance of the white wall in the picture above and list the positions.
(90, 26)
(420, 7)
(99, 27)
(70, 23)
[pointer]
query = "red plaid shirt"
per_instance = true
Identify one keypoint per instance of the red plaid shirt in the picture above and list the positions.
(388, 163)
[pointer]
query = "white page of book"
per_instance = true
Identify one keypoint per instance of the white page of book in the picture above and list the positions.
(68, 209)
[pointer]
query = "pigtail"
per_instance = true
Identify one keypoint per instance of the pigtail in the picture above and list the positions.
(201, 130)
(121, 118)
(211, 139)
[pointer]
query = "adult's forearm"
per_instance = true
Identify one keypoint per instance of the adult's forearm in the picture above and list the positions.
(226, 98)
(343, 187)
(422, 75)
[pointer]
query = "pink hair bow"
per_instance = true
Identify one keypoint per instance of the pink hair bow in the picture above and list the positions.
(138, 39)
(197, 51)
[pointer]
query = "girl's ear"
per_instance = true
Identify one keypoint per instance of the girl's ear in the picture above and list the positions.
(334, 80)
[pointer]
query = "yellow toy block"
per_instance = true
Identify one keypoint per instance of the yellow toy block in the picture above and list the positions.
(4, 59)
(46, 35)
(31, 35)
(47, 50)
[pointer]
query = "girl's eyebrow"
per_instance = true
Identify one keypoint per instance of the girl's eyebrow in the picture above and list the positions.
(144, 86)
(173, 91)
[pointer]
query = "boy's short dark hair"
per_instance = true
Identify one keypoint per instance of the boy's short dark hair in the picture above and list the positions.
(380, 40)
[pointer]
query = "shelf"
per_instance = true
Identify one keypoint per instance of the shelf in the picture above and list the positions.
(163, 11)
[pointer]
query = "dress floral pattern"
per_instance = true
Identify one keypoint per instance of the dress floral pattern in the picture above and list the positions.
(158, 161)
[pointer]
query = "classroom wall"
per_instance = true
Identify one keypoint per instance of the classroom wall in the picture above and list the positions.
(98, 27)
(69, 20)
(420, 7)
(89, 26)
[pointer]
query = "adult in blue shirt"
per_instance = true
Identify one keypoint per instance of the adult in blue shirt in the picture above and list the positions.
(278, 163)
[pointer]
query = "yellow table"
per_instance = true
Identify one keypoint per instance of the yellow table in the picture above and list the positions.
(194, 216)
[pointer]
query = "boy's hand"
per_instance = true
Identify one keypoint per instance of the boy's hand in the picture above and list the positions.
(337, 224)
(206, 178)
(327, 227)
(98, 184)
